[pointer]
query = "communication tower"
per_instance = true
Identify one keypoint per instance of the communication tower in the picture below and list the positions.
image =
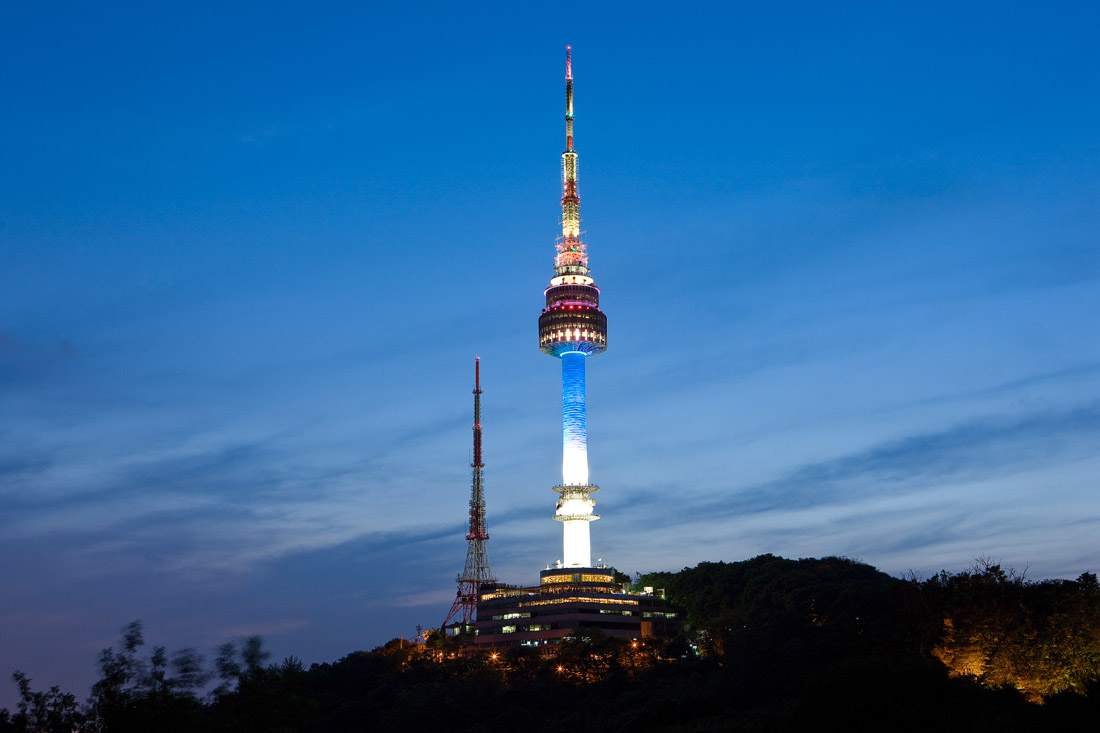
(477, 571)
(571, 328)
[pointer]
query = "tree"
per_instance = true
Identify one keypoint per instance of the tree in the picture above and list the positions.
(135, 694)
(44, 712)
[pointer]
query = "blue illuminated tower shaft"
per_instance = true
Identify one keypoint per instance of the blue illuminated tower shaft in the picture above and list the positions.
(571, 327)
(574, 462)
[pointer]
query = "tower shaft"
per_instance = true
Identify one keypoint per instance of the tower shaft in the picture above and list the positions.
(574, 429)
(477, 570)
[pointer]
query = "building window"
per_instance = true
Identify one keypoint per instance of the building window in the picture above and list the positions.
(508, 629)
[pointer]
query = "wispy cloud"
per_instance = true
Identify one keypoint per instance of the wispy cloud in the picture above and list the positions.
(1019, 385)
(976, 449)
(21, 359)
(16, 469)
(265, 628)
(433, 598)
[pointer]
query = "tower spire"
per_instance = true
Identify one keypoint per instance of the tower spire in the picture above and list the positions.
(568, 99)
(477, 571)
(572, 258)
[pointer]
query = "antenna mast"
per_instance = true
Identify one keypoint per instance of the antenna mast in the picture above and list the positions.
(477, 571)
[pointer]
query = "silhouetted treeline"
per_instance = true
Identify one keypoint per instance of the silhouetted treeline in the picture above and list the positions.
(771, 645)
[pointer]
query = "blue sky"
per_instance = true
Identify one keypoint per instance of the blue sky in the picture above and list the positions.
(849, 257)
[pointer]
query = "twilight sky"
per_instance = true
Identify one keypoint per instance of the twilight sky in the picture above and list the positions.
(849, 253)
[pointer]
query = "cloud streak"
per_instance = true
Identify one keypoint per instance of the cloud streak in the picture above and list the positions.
(971, 450)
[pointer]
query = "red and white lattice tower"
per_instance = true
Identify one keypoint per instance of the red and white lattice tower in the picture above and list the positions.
(477, 570)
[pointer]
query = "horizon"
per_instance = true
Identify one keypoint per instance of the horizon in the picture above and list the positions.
(847, 256)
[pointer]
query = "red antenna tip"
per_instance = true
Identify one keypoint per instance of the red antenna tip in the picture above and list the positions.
(568, 62)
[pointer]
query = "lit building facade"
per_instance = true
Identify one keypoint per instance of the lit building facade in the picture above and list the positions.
(567, 603)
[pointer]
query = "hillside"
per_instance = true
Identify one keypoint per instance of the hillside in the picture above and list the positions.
(772, 644)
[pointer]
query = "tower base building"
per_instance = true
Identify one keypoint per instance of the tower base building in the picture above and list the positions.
(569, 603)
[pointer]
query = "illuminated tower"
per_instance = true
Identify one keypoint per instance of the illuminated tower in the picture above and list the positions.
(477, 570)
(571, 327)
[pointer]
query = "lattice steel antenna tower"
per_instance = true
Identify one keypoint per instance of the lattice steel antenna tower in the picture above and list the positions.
(571, 327)
(477, 570)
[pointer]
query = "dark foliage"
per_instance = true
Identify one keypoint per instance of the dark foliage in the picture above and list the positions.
(1040, 638)
(783, 645)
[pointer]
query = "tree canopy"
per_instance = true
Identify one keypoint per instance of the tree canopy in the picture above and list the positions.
(771, 645)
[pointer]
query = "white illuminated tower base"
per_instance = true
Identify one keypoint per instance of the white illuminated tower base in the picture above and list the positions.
(572, 327)
(575, 512)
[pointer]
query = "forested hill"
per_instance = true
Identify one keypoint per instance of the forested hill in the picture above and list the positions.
(772, 645)
(987, 624)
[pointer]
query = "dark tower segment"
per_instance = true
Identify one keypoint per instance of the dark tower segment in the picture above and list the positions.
(477, 571)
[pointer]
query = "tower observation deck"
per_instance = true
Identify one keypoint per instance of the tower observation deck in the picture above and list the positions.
(571, 328)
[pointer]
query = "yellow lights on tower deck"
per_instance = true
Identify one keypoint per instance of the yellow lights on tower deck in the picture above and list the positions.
(571, 280)
(576, 508)
(602, 601)
(574, 511)
(571, 577)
